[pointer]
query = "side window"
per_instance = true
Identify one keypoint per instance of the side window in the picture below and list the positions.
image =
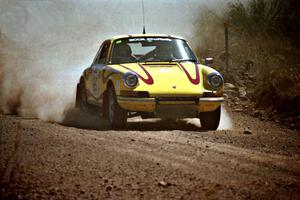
(103, 54)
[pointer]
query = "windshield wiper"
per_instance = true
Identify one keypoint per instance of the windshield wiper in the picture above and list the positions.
(183, 59)
(170, 60)
(146, 61)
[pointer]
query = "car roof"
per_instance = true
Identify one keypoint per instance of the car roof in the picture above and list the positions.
(144, 35)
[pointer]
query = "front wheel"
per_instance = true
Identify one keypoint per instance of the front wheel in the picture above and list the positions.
(117, 116)
(210, 120)
(81, 98)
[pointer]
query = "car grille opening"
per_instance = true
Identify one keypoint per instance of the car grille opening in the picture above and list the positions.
(183, 100)
(141, 94)
(176, 98)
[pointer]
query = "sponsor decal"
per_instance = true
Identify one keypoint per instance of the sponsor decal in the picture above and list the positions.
(118, 85)
(196, 80)
(149, 39)
(94, 82)
(149, 80)
(164, 70)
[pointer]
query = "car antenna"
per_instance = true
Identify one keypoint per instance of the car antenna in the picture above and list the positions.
(144, 29)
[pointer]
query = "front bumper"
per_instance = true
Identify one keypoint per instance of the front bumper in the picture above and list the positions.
(156, 105)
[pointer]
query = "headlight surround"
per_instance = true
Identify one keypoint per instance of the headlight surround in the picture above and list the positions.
(131, 80)
(215, 80)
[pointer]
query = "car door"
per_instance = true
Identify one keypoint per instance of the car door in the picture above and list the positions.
(88, 73)
(97, 70)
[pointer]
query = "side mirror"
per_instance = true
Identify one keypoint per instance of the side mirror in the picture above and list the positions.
(208, 61)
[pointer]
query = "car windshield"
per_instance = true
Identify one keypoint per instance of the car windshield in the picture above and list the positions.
(150, 49)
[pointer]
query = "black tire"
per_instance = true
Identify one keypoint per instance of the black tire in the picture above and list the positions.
(81, 98)
(210, 120)
(117, 117)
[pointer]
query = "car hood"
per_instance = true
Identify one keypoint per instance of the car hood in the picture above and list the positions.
(166, 78)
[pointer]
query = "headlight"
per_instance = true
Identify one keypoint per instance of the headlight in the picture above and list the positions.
(215, 80)
(131, 80)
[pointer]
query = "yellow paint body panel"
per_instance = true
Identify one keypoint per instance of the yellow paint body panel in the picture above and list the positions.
(165, 76)
(140, 104)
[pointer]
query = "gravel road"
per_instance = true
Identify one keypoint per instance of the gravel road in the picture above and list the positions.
(165, 159)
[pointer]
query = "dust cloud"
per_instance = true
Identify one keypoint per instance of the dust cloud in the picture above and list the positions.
(225, 121)
(45, 45)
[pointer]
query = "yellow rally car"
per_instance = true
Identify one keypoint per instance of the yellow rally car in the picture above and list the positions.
(150, 75)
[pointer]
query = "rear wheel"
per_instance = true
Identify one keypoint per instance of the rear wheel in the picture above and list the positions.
(117, 116)
(210, 120)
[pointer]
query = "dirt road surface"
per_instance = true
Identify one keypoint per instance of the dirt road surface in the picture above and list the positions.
(150, 160)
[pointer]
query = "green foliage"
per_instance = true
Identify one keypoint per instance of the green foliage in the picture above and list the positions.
(265, 18)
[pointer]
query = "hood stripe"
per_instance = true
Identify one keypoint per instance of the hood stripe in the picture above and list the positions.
(195, 81)
(149, 80)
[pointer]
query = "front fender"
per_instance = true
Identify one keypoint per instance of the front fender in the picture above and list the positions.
(205, 70)
(115, 78)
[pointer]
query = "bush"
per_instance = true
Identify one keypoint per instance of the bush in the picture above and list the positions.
(266, 18)
(264, 44)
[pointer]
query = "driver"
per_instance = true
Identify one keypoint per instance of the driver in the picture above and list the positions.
(122, 53)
